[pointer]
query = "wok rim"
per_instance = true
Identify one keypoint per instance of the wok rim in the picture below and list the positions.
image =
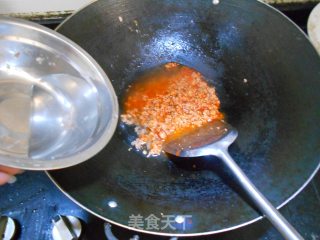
(183, 234)
(200, 233)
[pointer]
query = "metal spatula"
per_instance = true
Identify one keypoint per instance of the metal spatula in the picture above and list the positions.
(214, 139)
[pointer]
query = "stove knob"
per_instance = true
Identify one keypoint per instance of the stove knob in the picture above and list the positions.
(135, 237)
(7, 228)
(108, 232)
(66, 228)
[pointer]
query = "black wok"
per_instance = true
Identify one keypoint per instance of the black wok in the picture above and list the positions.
(267, 76)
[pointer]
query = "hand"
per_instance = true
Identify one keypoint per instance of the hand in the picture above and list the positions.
(6, 173)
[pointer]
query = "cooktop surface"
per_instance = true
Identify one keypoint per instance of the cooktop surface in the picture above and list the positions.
(38, 208)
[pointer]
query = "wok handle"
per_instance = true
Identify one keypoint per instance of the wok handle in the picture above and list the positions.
(274, 216)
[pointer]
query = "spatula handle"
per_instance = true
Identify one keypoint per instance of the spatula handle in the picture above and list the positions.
(274, 216)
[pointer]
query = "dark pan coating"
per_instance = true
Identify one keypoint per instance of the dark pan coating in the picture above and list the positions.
(267, 76)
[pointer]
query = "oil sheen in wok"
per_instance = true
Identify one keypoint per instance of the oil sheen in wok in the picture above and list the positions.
(166, 102)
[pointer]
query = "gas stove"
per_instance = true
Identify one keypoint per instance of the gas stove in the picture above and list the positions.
(33, 207)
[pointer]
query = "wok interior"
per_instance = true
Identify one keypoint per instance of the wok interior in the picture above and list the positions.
(266, 75)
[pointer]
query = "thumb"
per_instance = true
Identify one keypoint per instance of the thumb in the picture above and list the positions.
(4, 178)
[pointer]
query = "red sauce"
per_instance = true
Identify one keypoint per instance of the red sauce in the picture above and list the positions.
(166, 102)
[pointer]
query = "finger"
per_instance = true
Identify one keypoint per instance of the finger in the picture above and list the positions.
(4, 178)
(10, 170)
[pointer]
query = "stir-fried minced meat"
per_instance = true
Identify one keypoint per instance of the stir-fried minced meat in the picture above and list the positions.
(168, 101)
